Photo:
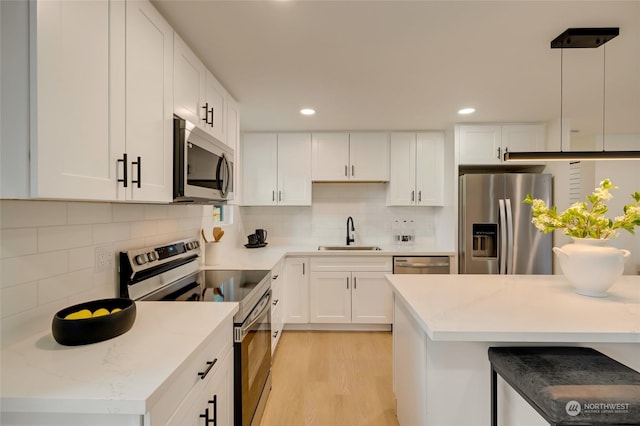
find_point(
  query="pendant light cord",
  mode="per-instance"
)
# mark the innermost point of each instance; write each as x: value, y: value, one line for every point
x: 604, y: 83
x: 561, y: 91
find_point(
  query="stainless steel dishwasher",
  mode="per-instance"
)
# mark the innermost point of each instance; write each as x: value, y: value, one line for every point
x: 421, y: 264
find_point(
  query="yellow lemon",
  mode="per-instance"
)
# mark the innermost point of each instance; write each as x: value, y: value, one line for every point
x: 101, y: 312
x: 85, y: 313
x: 114, y: 310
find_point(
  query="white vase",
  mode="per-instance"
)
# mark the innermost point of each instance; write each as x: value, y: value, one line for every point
x: 590, y: 265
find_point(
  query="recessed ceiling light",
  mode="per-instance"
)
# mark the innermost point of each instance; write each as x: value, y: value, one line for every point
x: 465, y: 111
x: 307, y: 111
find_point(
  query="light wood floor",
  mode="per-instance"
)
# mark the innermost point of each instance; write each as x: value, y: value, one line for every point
x: 332, y: 379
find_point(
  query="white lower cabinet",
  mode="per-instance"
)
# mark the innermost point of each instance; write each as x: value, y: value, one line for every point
x: 277, y: 303
x: 210, y: 402
x: 350, y: 290
x: 296, y: 290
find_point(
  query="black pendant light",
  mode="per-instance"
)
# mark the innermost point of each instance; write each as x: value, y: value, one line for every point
x: 577, y: 38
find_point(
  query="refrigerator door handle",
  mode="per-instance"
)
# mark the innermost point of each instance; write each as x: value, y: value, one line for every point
x: 509, y: 236
x: 503, y: 237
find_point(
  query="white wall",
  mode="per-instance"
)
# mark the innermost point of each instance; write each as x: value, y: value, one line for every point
x: 47, y: 252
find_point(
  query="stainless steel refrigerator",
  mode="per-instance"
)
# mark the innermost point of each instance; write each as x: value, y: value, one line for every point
x: 496, y: 235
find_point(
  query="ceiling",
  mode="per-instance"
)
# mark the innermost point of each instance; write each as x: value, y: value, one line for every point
x: 410, y: 65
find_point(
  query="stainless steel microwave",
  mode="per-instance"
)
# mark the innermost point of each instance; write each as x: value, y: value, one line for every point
x: 202, y: 165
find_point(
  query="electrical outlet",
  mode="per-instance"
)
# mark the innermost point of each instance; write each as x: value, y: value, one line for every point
x: 105, y: 259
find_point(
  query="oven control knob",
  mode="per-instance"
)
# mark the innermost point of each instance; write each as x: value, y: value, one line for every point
x: 152, y: 256
x: 189, y: 245
x: 196, y: 244
x: 141, y: 259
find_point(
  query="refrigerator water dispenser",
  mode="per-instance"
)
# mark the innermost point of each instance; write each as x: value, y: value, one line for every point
x: 485, y: 240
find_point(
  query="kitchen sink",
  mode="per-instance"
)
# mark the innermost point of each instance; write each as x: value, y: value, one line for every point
x: 358, y: 248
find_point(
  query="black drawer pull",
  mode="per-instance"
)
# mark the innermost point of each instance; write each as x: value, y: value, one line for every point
x: 210, y: 364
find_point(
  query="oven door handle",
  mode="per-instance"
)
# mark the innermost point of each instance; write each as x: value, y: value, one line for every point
x: 262, y: 308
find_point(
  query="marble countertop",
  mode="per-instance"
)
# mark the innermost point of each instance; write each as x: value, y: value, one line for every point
x: 267, y: 257
x: 519, y: 308
x: 126, y: 374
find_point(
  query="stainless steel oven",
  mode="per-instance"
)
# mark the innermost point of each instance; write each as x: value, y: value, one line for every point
x: 171, y: 273
x: 252, y: 340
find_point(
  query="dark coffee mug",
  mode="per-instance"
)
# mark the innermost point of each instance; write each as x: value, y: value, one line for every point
x: 253, y: 239
x: 262, y: 235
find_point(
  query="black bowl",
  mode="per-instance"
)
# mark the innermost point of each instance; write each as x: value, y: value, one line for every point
x: 74, y: 332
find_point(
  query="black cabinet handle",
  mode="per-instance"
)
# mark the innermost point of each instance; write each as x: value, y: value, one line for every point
x: 214, y: 401
x: 139, y: 164
x: 275, y: 277
x: 211, y: 117
x: 347, y: 283
x: 124, y: 179
x: 206, y: 113
x: 275, y: 334
x: 355, y: 283
x: 210, y: 364
x: 275, y: 302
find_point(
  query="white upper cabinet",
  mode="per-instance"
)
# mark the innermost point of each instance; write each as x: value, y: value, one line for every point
x: 485, y: 144
x: 188, y: 83
x: 362, y: 156
x: 73, y: 152
x: 198, y: 96
x: 214, y: 104
x: 149, y: 101
x: 100, y: 94
x: 416, y: 169
x: 276, y: 169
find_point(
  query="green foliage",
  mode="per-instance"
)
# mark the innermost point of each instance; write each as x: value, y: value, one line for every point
x: 582, y: 221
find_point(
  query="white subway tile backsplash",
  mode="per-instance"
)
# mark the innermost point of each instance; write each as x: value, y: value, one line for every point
x: 47, y: 253
x: 17, y: 270
x: 86, y: 213
x: 29, y: 214
x: 19, y: 298
x: 110, y: 232
x: 143, y: 229
x: 64, y: 237
x: 167, y: 226
x: 154, y: 211
x: 123, y: 212
x: 81, y: 258
x: 63, y: 286
x: 18, y: 242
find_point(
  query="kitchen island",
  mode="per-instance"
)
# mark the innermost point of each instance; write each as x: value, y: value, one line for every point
x: 444, y: 325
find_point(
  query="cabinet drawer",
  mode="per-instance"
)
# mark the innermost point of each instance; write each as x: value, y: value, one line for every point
x: 352, y: 263
x: 186, y: 378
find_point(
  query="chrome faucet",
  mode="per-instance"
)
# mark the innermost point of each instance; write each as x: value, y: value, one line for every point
x: 350, y: 239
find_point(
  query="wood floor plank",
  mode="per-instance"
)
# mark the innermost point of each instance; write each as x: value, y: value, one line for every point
x: 332, y: 379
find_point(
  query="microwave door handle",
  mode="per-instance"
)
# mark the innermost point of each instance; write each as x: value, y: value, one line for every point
x: 502, y: 228
x: 226, y: 176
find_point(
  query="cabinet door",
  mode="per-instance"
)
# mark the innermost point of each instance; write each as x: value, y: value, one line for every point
x: 294, y: 169
x: 369, y: 156
x: 330, y: 297
x: 149, y: 102
x: 402, y: 169
x: 430, y: 169
x: 480, y: 144
x: 75, y: 153
x: 371, y: 299
x: 214, y: 95
x: 296, y: 293
x: 330, y: 157
x: 209, y: 400
x: 524, y: 137
x: 188, y: 83
x: 259, y: 169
